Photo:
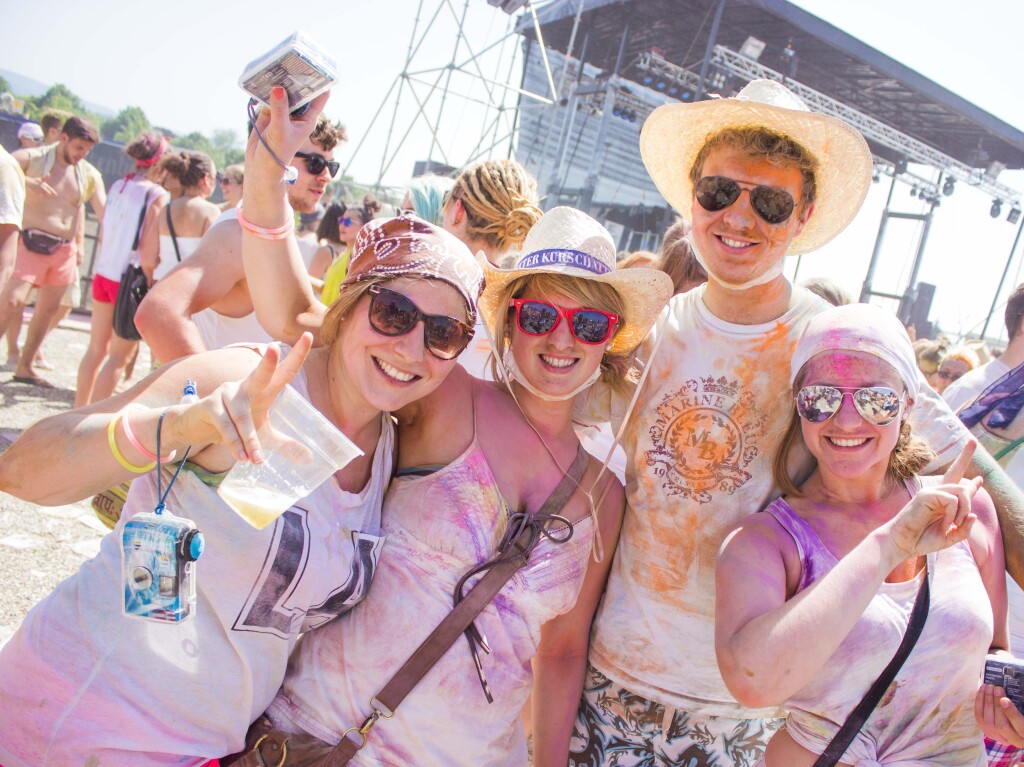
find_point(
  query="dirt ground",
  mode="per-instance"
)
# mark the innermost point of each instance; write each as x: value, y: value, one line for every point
x: 41, y: 546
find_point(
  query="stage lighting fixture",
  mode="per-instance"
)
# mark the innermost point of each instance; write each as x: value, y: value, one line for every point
x: 617, y: 110
x: 686, y: 95
x: 875, y: 178
x: 661, y: 85
x: 948, y: 187
x: 648, y: 79
x: 900, y: 166
x: 631, y: 116
x: 752, y: 48
x: 1014, y: 215
x: 913, y: 192
x: 672, y: 90
x: 996, y: 209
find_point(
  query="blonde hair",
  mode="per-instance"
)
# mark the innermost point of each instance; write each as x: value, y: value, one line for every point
x: 588, y: 293
x: 348, y: 297
x: 500, y: 198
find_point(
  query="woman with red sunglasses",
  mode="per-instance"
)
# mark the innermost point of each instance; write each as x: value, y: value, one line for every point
x: 474, y: 457
x: 816, y: 593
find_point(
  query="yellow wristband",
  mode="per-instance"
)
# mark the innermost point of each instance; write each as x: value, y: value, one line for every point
x: 112, y: 441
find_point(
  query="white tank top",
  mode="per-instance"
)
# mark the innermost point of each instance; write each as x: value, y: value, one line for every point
x: 81, y: 684
x: 219, y: 330
x: 168, y: 258
x: 120, y: 222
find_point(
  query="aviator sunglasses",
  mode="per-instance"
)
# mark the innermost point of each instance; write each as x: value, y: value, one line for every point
x: 392, y: 314
x: 315, y: 163
x: 879, y: 405
x: 588, y: 326
x: 715, y: 193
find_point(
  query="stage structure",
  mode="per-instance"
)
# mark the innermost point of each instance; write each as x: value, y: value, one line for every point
x: 638, y: 54
x: 463, y: 105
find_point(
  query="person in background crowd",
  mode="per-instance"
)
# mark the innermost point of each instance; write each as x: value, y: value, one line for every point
x: 231, y: 181
x: 204, y: 302
x: 51, y: 122
x: 131, y: 211
x: 352, y: 218
x: 184, y: 217
x: 952, y: 366
x: 426, y: 197
x: 328, y: 234
x: 827, y: 290
x: 677, y: 259
x: 30, y: 135
x: 814, y: 595
x: 305, y: 234
x: 759, y: 176
x: 491, y: 207
x: 59, y: 182
x: 929, y: 353
x: 988, y: 400
x: 981, y: 350
x: 12, y: 209
x: 643, y: 259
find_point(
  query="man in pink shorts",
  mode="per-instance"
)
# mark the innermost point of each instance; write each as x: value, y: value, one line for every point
x: 58, y: 184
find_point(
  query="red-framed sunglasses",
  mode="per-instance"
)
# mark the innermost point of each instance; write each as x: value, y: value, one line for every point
x: 588, y: 326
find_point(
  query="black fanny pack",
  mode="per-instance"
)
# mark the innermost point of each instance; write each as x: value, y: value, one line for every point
x: 41, y: 242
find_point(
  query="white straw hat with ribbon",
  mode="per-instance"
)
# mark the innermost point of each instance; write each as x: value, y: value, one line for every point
x: 674, y: 134
x: 568, y: 242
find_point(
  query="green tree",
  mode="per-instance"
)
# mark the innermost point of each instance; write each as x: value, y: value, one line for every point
x: 129, y: 123
x: 4, y: 85
x: 59, y: 96
x: 229, y: 146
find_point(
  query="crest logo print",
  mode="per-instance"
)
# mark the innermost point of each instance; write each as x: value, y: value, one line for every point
x: 704, y: 437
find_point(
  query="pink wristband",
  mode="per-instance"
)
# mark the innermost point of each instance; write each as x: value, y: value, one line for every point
x: 135, y: 442
x: 265, y: 233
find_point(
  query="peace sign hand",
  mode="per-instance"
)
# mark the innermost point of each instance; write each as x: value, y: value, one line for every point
x: 938, y: 516
x: 231, y: 414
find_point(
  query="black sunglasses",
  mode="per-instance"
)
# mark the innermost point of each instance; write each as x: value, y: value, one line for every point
x: 392, y: 314
x: 315, y: 164
x: 538, y: 318
x: 716, y: 193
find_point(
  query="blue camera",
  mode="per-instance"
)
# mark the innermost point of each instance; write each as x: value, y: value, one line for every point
x: 158, y: 555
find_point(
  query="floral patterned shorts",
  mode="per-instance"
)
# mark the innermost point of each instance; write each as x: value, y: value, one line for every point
x: 617, y: 728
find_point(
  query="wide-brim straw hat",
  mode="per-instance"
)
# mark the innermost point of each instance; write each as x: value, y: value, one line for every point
x: 674, y: 134
x: 568, y: 242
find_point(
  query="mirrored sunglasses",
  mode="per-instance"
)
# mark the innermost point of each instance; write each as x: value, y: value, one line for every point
x: 588, y: 326
x: 879, y: 405
x: 315, y: 163
x: 716, y: 193
x: 392, y: 314
x: 345, y: 220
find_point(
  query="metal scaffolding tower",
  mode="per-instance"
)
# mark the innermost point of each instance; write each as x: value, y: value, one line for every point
x: 471, y: 96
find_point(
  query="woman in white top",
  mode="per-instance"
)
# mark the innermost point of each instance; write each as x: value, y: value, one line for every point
x: 80, y: 683
x: 231, y: 181
x: 815, y: 593
x: 129, y: 218
x: 186, y: 218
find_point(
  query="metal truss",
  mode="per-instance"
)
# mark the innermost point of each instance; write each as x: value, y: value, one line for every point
x: 871, y: 128
x: 432, y: 92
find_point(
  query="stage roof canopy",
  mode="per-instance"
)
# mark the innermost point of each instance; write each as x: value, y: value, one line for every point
x: 829, y: 60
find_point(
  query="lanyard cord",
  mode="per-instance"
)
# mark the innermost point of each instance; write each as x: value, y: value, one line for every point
x: 162, y: 495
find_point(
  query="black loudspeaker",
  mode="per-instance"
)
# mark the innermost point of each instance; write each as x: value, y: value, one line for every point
x: 921, y: 308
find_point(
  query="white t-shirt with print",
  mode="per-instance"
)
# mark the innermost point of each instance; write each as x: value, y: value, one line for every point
x: 699, y: 450
x: 81, y: 684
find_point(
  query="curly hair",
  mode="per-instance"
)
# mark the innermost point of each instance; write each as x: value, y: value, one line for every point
x: 760, y: 142
x: 501, y: 202
x: 328, y: 135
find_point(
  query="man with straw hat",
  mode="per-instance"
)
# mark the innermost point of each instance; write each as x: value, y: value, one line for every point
x: 759, y: 177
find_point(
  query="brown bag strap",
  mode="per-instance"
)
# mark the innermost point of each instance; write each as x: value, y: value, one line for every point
x: 505, y: 565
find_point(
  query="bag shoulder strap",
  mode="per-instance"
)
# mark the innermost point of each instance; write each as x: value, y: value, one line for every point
x: 499, y: 571
x: 855, y: 721
x: 142, y: 218
x: 174, y: 237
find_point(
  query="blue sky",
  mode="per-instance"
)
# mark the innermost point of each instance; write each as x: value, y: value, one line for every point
x: 181, y: 62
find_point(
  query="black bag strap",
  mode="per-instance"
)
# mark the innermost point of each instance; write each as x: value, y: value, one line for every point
x: 855, y: 721
x: 513, y: 553
x: 142, y: 218
x: 174, y: 238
